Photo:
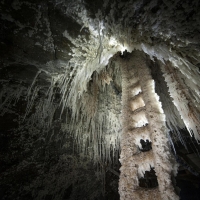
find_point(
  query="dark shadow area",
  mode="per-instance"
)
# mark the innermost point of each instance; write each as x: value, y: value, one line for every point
x: 149, y: 180
x: 146, y: 145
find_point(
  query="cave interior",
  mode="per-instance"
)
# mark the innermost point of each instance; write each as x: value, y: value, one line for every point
x: 99, y: 99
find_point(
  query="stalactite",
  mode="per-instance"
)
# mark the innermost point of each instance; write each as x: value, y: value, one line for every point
x: 182, y: 100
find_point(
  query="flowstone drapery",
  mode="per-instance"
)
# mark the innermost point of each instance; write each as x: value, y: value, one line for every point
x: 143, y: 118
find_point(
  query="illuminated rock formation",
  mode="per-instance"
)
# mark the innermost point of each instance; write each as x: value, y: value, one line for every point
x: 143, y: 119
x: 77, y: 89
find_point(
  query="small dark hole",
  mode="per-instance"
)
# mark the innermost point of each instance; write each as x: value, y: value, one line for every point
x: 146, y: 145
x: 149, y: 180
x: 125, y: 55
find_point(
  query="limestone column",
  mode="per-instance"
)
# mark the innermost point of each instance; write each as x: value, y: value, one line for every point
x: 143, y: 118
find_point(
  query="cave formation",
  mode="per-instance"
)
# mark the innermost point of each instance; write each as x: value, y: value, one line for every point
x: 99, y: 99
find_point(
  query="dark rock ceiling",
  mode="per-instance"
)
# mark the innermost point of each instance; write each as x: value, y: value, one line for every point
x: 55, y: 59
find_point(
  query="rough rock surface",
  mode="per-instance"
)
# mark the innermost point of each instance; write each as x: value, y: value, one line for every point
x: 42, y: 43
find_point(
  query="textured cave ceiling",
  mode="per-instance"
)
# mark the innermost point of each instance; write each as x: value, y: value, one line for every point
x: 60, y: 91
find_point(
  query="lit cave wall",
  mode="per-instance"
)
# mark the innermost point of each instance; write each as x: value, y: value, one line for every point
x: 99, y: 99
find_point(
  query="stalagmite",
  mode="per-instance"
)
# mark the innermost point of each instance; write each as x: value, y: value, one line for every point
x: 145, y: 120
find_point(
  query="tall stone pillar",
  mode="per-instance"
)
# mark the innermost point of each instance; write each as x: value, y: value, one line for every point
x: 143, y: 118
